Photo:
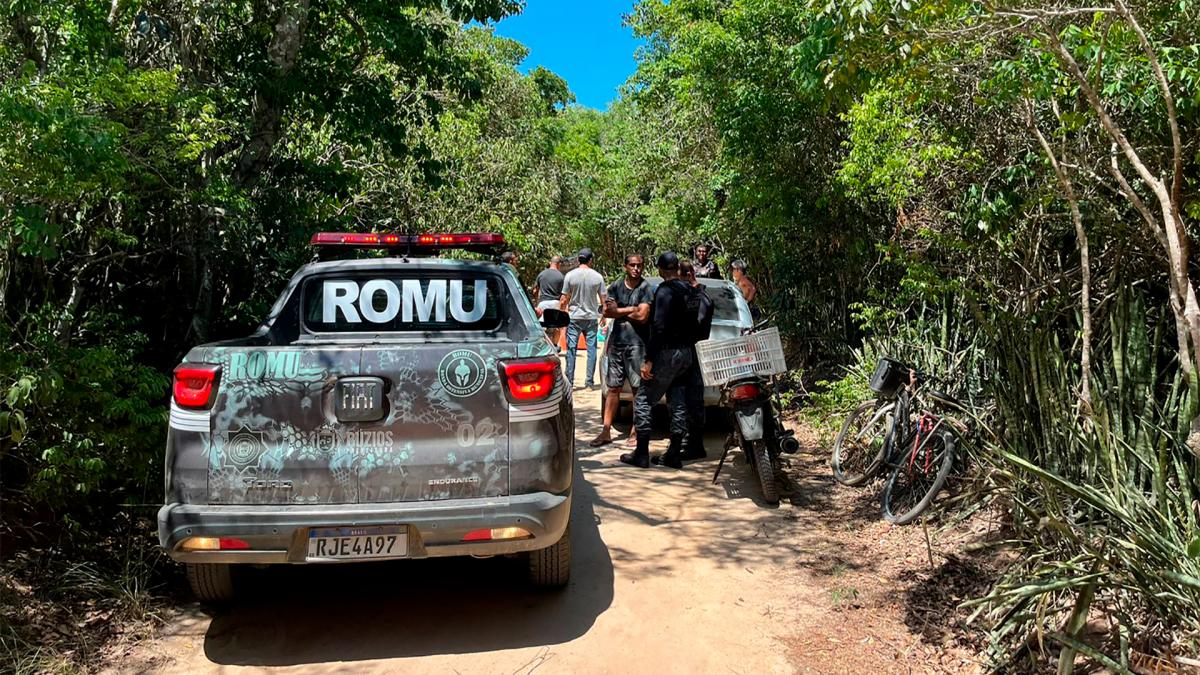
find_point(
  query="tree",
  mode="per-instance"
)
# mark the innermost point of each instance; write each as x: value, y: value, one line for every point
x: 553, y: 89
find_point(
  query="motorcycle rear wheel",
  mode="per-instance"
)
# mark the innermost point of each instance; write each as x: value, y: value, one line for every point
x: 765, y: 468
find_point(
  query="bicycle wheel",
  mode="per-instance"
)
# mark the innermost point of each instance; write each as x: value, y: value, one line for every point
x: 858, y: 451
x: 766, y: 472
x: 916, y: 480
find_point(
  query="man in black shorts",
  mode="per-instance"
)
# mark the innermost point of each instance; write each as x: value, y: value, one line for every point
x: 547, y: 291
x: 628, y: 305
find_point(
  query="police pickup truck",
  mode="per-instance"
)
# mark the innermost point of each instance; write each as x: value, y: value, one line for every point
x: 397, y: 406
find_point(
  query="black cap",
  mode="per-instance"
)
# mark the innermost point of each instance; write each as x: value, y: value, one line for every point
x: 668, y: 261
x: 585, y: 255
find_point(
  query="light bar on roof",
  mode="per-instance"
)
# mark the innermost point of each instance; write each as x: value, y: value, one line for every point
x: 415, y: 241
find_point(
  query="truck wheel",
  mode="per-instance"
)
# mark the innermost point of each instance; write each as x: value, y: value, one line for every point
x: 625, y: 412
x: 211, y: 582
x: 551, y: 567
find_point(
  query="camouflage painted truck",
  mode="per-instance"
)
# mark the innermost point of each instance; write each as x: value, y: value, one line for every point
x: 401, y: 406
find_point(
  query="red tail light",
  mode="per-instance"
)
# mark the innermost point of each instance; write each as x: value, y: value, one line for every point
x: 194, y: 384
x: 743, y: 392
x: 531, y: 380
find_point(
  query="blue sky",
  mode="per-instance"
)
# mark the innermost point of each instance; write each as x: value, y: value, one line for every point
x: 583, y: 41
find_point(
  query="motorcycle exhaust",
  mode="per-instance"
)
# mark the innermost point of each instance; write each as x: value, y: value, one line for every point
x: 789, y: 444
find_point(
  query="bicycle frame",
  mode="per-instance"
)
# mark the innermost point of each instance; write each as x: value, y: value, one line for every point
x: 915, y: 435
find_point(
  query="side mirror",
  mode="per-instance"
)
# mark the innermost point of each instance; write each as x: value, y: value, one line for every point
x: 555, y: 318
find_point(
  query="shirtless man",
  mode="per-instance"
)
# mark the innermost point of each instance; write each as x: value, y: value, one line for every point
x: 749, y: 290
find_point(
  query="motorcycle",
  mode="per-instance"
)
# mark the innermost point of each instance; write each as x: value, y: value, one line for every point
x: 748, y: 366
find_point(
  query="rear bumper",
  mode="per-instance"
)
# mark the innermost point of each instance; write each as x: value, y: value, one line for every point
x: 279, y: 534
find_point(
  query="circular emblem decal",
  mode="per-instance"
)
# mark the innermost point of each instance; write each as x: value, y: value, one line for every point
x: 462, y: 373
x: 245, y: 448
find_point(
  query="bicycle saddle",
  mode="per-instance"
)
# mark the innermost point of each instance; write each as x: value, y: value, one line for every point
x: 943, y: 398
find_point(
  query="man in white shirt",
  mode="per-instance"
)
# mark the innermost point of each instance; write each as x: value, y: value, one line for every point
x: 582, y: 296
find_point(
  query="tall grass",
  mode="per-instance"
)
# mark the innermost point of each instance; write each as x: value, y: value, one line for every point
x: 936, y: 339
x: 1101, y: 503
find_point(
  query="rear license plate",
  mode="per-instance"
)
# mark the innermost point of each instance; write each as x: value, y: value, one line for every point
x: 359, y: 399
x: 357, y: 543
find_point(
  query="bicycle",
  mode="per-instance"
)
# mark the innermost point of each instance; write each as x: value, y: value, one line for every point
x: 918, y: 453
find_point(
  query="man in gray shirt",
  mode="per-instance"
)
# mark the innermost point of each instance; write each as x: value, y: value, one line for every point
x: 547, y: 291
x: 582, y: 296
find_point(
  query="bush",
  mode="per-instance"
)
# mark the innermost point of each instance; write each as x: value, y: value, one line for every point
x: 82, y: 430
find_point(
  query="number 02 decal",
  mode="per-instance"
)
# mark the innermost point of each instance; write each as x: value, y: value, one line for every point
x: 481, y: 433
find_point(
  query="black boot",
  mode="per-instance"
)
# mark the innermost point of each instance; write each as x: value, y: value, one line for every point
x: 671, y: 458
x: 694, y: 447
x: 641, y: 456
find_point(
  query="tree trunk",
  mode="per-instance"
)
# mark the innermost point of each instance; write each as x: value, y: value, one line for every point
x: 1064, y: 181
x: 23, y: 31
x: 270, y: 100
x: 7, y: 260
x: 1184, y: 305
x: 65, y: 325
x: 202, y: 313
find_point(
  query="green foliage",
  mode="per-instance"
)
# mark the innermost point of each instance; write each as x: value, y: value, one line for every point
x: 163, y: 165
x: 552, y: 89
x: 891, y: 150
x: 1105, y: 504
x: 877, y: 161
x: 750, y: 141
x: 827, y: 407
x: 85, y: 426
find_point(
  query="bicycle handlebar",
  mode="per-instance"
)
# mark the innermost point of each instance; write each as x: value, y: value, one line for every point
x: 923, y: 376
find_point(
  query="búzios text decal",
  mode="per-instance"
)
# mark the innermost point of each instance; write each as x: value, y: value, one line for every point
x: 355, y: 303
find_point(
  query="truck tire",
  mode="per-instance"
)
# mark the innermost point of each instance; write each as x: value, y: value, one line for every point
x: 625, y: 411
x: 211, y: 583
x: 551, y: 567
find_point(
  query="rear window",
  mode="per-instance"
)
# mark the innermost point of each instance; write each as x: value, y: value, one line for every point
x: 725, y: 307
x: 401, y: 303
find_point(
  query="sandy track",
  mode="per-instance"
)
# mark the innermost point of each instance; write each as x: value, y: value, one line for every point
x: 671, y: 574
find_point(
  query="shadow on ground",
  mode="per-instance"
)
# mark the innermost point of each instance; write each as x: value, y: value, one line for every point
x: 933, y: 606
x: 317, y: 614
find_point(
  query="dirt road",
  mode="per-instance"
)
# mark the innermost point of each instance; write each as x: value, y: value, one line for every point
x: 671, y: 574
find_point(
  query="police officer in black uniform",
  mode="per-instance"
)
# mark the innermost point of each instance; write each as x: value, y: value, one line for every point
x: 702, y: 305
x: 670, y: 355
